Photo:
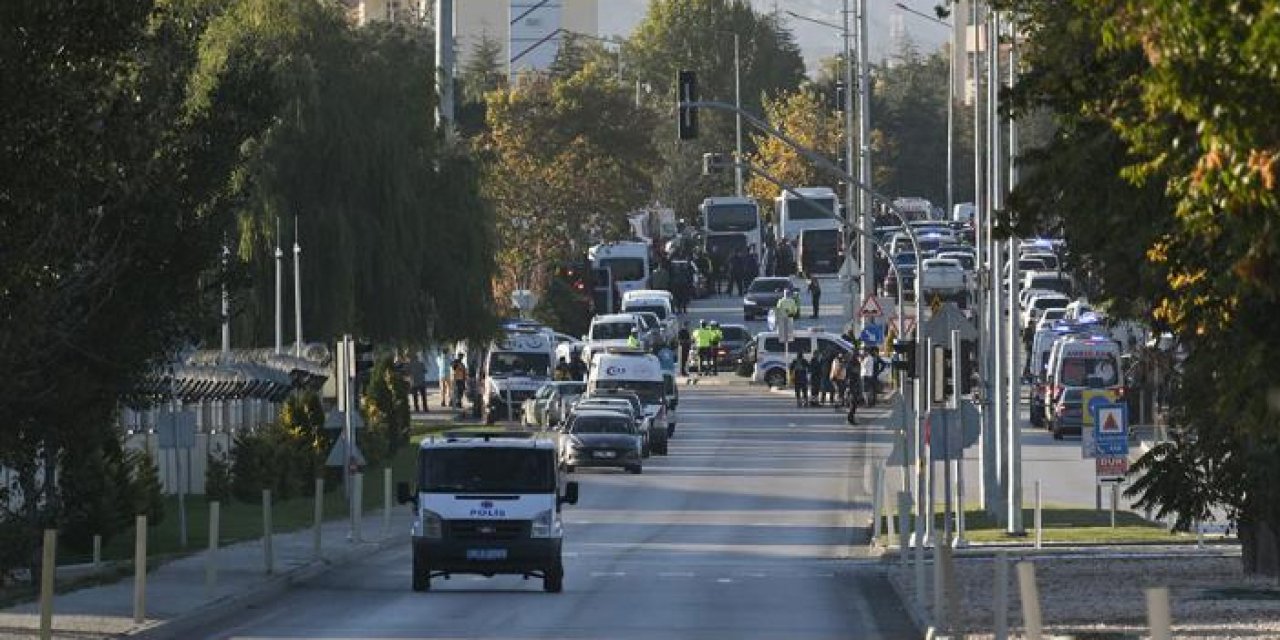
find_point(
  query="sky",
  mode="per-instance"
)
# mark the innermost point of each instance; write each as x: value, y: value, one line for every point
x: 816, y: 42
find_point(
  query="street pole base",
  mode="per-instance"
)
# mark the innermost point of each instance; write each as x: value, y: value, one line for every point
x: 960, y: 542
x: 1016, y: 534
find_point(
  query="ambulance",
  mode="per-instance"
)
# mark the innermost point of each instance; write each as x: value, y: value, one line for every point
x: 514, y: 368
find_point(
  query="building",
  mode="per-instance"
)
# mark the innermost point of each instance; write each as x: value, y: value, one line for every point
x: 528, y: 31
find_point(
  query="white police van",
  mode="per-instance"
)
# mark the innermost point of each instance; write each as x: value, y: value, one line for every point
x: 514, y: 368
x: 635, y: 370
x: 772, y: 358
x: 488, y: 504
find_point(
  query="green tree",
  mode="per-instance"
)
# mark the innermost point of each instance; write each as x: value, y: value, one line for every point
x: 386, y: 404
x: 697, y: 35
x: 481, y: 73
x: 567, y: 158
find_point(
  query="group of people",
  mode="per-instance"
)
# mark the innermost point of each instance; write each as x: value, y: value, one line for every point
x: 574, y: 370
x: 736, y: 271
x: 451, y: 374
x: 837, y: 379
x: 701, y: 343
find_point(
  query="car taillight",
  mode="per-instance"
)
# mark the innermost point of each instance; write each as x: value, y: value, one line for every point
x: 1120, y: 391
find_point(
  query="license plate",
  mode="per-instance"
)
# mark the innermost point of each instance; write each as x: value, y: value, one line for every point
x: 486, y: 554
x: 604, y: 454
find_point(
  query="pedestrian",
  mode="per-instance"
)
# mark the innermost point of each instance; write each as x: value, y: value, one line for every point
x: 816, y: 374
x: 828, y: 385
x: 685, y: 340
x: 735, y: 273
x: 799, y: 371
x: 702, y: 340
x: 838, y: 378
x: 445, y: 376
x: 716, y: 336
x: 458, y: 369
x: 633, y: 339
x: 752, y: 267
x: 787, y: 304
x: 416, y: 374
x: 868, y: 370
x: 578, y: 368
x: 563, y: 372
x: 815, y: 293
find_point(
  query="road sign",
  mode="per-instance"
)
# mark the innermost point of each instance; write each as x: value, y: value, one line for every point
x: 1111, y: 430
x: 1090, y: 401
x: 871, y: 307
x: 946, y: 319
x: 1111, y: 468
x: 339, y: 452
x: 177, y: 430
x: 962, y: 430
x: 872, y: 334
x: 935, y: 304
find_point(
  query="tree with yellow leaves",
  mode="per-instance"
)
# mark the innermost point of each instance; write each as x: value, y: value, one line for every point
x: 804, y: 116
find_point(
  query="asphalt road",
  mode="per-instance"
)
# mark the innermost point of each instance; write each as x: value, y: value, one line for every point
x: 753, y: 527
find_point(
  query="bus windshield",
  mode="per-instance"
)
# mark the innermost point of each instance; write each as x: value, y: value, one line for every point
x: 805, y: 210
x: 732, y: 217
x: 625, y: 269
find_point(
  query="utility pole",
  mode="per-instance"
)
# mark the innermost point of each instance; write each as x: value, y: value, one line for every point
x: 226, y: 304
x: 444, y: 61
x: 864, y: 161
x: 1013, y: 369
x: 737, y: 102
x: 279, y: 292
x: 866, y: 281
x: 297, y: 290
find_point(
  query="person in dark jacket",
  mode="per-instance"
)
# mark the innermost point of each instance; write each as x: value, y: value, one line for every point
x: 816, y: 374
x: 800, y: 379
x: 685, y: 340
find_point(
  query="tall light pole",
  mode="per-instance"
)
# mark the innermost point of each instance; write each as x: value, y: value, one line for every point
x: 1014, y: 339
x: 297, y: 290
x: 444, y: 61
x: 737, y: 102
x: 279, y: 292
x: 864, y: 156
x: 226, y: 304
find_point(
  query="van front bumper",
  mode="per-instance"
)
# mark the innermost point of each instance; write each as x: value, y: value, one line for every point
x: 487, y: 557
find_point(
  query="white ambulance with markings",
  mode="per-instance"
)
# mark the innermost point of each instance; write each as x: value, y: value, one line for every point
x: 514, y: 368
x: 487, y: 504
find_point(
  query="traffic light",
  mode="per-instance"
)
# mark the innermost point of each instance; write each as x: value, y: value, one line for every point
x: 687, y: 117
x: 904, y: 357
x: 968, y: 366
x: 713, y: 163
x: 837, y: 97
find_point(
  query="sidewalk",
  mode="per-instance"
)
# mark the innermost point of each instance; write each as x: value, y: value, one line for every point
x: 176, y: 597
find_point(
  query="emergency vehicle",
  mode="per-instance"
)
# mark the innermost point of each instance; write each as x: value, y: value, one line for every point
x: 515, y: 367
x: 635, y: 370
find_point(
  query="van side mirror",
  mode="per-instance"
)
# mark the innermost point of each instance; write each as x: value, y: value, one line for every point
x: 402, y: 493
x: 570, y: 493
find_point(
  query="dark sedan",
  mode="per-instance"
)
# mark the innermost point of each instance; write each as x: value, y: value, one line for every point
x: 600, y: 439
x: 1068, y: 413
x: 735, y: 338
x: 763, y: 295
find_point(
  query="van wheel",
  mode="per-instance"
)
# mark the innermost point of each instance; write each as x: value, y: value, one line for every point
x: 775, y: 378
x: 421, y: 573
x: 553, y: 579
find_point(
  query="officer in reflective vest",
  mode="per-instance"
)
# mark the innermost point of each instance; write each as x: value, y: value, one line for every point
x: 788, y: 305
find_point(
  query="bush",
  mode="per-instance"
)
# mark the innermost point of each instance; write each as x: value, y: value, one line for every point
x: 386, y: 405
x: 271, y: 457
x: 217, y: 476
x: 97, y: 491
x: 148, y: 498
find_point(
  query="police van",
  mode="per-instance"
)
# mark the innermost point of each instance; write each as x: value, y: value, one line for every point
x: 772, y: 358
x: 640, y: 372
x: 487, y: 504
x: 515, y: 367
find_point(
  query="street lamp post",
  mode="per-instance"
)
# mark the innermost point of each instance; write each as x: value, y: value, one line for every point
x: 279, y: 346
x: 297, y: 290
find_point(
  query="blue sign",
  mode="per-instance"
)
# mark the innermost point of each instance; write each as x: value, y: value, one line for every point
x: 1111, y: 429
x: 873, y: 334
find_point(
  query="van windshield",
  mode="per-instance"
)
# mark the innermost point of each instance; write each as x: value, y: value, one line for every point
x: 655, y: 309
x: 487, y: 470
x: 611, y: 330
x: 650, y: 392
x: 514, y: 363
x: 594, y: 424
x: 1094, y: 372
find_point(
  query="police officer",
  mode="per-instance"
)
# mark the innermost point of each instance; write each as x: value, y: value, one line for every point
x: 633, y: 339
x: 702, y: 341
x: 788, y: 305
x: 716, y: 336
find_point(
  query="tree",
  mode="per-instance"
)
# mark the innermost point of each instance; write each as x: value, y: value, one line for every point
x: 567, y: 159
x: 1177, y: 159
x: 804, y: 116
x: 481, y: 73
x: 697, y: 35
x: 386, y: 403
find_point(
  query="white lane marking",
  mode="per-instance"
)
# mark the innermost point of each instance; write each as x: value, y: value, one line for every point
x: 675, y: 574
x: 608, y: 574
x: 724, y: 580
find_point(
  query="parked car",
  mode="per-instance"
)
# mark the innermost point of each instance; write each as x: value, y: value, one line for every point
x: 549, y: 405
x: 763, y: 295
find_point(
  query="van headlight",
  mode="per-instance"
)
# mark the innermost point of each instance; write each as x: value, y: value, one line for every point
x: 432, y: 525
x: 545, y: 525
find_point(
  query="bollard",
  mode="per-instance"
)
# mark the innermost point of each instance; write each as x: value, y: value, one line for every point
x: 97, y: 552
x: 48, y: 570
x: 1115, y: 497
x: 1158, y: 616
x: 940, y: 613
x: 269, y: 566
x: 358, y: 512
x: 1039, y: 518
x: 211, y: 560
x: 875, y: 505
x: 386, y: 502
x: 904, y: 517
x: 1000, y: 597
x: 140, y: 570
x: 920, y: 574
x: 317, y: 517
x: 954, y: 615
x: 888, y: 516
x: 1030, y: 594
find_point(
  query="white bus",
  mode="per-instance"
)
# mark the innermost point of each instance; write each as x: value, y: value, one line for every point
x: 731, y: 224
x: 818, y: 210
x: 628, y: 261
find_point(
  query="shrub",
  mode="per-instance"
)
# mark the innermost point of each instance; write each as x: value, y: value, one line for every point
x: 148, y: 498
x: 386, y: 405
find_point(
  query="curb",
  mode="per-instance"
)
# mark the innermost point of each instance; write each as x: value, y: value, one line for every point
x: 915, y: 612
x: 183, y: 625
